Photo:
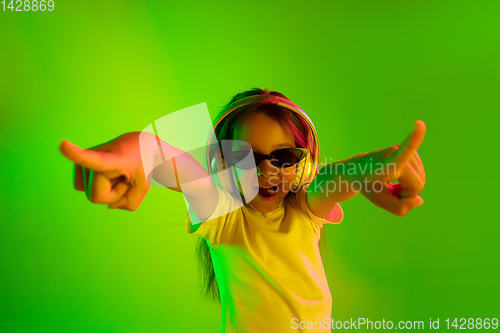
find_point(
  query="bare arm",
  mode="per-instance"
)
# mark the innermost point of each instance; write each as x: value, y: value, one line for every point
x: 119, y: 172
x: 371, y: 175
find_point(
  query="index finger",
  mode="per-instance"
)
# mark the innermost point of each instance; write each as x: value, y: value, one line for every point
x: 89, y: 159
x: 410, y: 145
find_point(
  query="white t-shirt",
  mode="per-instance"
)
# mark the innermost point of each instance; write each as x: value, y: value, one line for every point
x: 268, y: 265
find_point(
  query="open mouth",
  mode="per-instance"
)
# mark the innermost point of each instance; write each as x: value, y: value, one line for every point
x: 267, y: 191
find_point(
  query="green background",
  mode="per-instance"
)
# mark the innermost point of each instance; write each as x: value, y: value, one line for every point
x: 363, y: 70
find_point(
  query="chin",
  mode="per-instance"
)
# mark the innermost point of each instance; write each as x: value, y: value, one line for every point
x: 267, y: 204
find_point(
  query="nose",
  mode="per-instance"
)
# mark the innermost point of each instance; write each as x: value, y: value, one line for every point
x: 266, y: 169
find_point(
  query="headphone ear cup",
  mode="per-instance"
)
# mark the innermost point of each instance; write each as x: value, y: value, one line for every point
x: 220, y: 174
x: 299, y: 171
x: 214, y: 171
x: 224, y: 178
x: 304, y: 172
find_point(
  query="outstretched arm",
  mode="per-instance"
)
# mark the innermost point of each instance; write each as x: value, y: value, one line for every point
x: 372, y: 174
x: 119, y: 172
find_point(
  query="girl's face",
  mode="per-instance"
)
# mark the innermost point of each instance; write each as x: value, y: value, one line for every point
x: 265, y: 136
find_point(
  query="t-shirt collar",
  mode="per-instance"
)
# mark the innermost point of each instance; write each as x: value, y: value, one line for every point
x: 272, y: 214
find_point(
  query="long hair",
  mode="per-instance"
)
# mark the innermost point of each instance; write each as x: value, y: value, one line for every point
x: 302, y: 136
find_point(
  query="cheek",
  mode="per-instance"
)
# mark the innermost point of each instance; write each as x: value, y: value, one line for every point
x: 248, y: 178
x: 288, y: 177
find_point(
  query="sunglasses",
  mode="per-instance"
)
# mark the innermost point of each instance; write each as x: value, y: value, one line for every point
x: 281, y: 158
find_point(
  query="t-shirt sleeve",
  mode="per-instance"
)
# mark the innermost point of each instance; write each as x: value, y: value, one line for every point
x: 211, y: 229
x: 335, y: 216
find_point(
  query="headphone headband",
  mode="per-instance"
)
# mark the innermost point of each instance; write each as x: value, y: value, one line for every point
x: 263, y: 100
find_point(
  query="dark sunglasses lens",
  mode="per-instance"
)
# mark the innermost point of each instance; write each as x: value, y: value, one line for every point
x: 287, y: 157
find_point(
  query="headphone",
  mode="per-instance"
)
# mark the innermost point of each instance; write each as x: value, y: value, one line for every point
x: 306, y: 169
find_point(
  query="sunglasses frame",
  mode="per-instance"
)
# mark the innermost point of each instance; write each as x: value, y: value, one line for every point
x: 260, y: 157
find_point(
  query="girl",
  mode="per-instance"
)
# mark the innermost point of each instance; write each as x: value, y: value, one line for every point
x: 259, y: 227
